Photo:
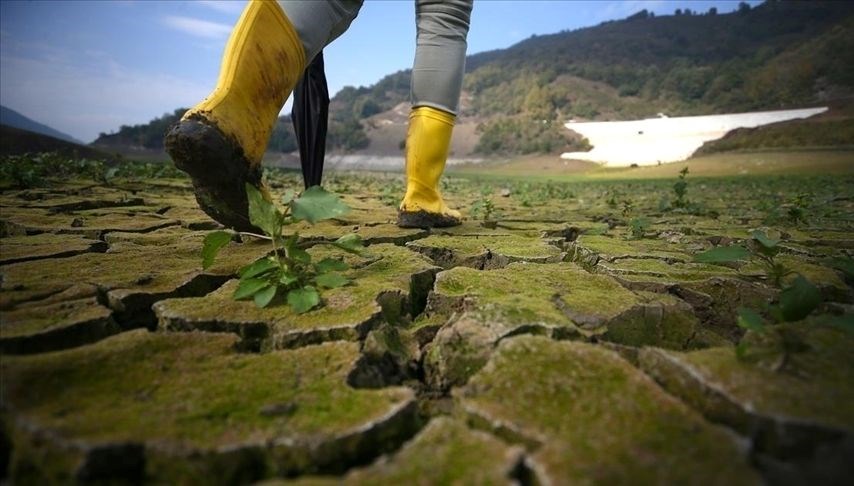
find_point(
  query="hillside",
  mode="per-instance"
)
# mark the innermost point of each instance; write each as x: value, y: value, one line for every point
x: 777, y: 55
x: 834, y: 128
x: 15, y: 141
x: 12, y: 118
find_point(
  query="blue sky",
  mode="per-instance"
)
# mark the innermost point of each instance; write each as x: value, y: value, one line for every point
x: 85, y: 67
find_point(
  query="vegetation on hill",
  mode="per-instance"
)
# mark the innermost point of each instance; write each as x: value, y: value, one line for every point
x: 832, y: 133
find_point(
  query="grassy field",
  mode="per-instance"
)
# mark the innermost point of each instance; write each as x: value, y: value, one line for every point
x: 779, y: 162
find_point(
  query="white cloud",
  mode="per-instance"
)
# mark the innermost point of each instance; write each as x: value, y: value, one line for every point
x: 224, y: 6
x: 197, y: 27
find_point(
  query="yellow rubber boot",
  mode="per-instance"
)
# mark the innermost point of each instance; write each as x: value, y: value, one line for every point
x: 428, y: 142
x: 220, y: 141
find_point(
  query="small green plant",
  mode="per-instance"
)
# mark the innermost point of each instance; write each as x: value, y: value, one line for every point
x: 612, y: 199
x: 681, y: 189
x: 638, y: 227
x: 777, y: 212
x: 627, y: 207
x: 288, y: 271
x: 762, y: 247
x: 389, y: 196
x: 483, y: 208
x: 768, y: 342
x: 796, y: 212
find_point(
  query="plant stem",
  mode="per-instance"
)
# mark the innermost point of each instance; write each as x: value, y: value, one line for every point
x: 260, y: 237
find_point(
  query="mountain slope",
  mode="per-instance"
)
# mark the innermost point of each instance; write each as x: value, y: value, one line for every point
x: 16, y: 141
x: 12, y: 118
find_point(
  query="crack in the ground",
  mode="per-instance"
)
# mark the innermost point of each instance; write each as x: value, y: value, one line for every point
x: 90, y: 204
x: 95, y: 247
x: 134, y: 308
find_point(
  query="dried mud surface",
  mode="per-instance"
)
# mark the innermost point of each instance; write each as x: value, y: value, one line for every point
x: 547, y: 343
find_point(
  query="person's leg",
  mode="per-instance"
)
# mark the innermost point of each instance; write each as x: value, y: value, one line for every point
x: 318, y: 23
x: 437, y: 76
x: 220, y: 141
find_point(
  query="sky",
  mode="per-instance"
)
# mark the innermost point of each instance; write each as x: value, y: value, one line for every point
x: 86, y: 67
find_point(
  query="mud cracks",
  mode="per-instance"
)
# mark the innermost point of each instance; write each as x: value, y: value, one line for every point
x: 532, y: 350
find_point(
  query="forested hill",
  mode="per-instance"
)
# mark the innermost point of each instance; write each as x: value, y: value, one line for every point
x: 779, y: 54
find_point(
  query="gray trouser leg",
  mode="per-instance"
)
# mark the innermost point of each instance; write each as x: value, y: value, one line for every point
x: 440, y: 53
x: 320, y: 22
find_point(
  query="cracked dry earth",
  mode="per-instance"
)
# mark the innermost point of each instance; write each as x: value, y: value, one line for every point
x: 547, y: 348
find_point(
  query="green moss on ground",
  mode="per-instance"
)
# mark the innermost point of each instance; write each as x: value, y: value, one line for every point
x: 90, y: 223
x: 444, y: 452
x: 814, y: 390
x: 532, y: 293
x: 130, y: 269
x: 596, y: 416
x: 179, y: 391
x: 610, y: 248
x: 482, y: 251
x: 639, y: 269
x: 32, y: 320
x: 46, y: 245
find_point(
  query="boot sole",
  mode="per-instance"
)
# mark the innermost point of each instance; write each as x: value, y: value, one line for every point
x: 218, y: 169
x: 425, y: 220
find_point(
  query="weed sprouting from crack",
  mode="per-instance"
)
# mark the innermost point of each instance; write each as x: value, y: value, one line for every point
x: 289, y: 270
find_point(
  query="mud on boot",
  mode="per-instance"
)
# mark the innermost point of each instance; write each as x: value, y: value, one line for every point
x: 426, y: 220
x: 218, y: 169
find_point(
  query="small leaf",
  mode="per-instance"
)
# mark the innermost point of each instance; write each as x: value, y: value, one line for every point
x: 288, y: 196
x: 316, y: 204
x: 214, y: 242
x: 750, y: 320
x: 260, y: 266
x: 799, y: 299
x: 303, y: 300
x: 330, y: 265
x: 264, y: 296
x: 351, y: 243
x: 299, y: 255
x: 262, y: 213
x: 765, y: 240
x: 249, y: 287
x: 331, y: 280
x: 722, y: 254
